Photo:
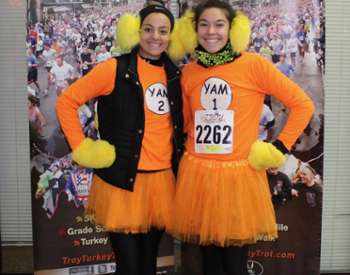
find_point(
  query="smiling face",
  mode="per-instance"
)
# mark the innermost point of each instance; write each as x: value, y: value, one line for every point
x: 213, y: 29
x: 306, y: 176
x: 154, y: 35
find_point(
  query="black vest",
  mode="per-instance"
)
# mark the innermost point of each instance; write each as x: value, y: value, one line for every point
x: 122, y: 121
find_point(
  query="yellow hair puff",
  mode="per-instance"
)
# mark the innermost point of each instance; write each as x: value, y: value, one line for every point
x: 263, y: 155
x: 94, y: 153
x: 176, y: 51
x: 128, y: 32
x: 188, y: 32
x: 183, y: 38
x: 240, y: 32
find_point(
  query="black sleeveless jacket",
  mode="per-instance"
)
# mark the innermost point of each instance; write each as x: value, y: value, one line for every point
x: 122, y: 121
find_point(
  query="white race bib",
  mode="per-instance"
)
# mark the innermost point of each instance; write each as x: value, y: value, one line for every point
x: 213, y: 131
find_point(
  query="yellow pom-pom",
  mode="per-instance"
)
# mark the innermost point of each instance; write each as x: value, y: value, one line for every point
x: 264, y: 155
x: 188, y: 32
x: 183, y: 38
x: 176, y: 51
x: 94, y: 153
x: 240, y: 32
x: 128, y: 35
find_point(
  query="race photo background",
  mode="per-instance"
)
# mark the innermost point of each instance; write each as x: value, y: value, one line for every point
x: 289, y: 33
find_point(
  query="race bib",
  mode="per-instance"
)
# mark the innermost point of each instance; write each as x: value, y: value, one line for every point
x: 156, y: 97
x: 214, y: 131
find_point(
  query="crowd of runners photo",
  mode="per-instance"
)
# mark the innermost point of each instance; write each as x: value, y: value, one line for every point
x: 65, y: 46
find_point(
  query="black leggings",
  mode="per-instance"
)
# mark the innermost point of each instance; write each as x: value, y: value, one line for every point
x: 136, y: 254
x: 230, y: 260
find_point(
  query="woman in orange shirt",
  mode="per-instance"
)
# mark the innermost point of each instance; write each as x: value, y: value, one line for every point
x: 140, y: 129
x: 222, y: 200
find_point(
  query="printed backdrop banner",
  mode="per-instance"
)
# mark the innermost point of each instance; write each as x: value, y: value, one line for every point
x: 288, y: 33
x: 298, y: 51
x: 66, y: 241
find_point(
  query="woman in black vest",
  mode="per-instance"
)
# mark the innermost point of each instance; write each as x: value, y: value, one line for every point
x: 140, y: 122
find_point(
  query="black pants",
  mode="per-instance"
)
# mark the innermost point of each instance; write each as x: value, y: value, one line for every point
x: 230, y: 260
x: 136, y: 254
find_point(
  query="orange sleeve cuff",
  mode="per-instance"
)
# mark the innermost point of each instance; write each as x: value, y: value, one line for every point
x: 98, y: 82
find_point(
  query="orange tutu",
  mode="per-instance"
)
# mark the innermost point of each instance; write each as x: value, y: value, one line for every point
x: 119, y: 210
x: 222, y: 203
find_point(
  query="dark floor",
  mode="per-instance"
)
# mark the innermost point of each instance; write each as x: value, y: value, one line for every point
x: 17, y: 259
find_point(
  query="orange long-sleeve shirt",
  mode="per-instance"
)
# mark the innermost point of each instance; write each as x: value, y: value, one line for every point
x: 238, y: 89
x: 156, y: 147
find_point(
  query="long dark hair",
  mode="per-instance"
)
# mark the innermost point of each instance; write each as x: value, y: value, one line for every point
x: 223, y: 5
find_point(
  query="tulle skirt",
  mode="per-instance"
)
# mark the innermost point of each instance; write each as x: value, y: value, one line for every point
x: 119, y: 210
x: 222, y: 203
